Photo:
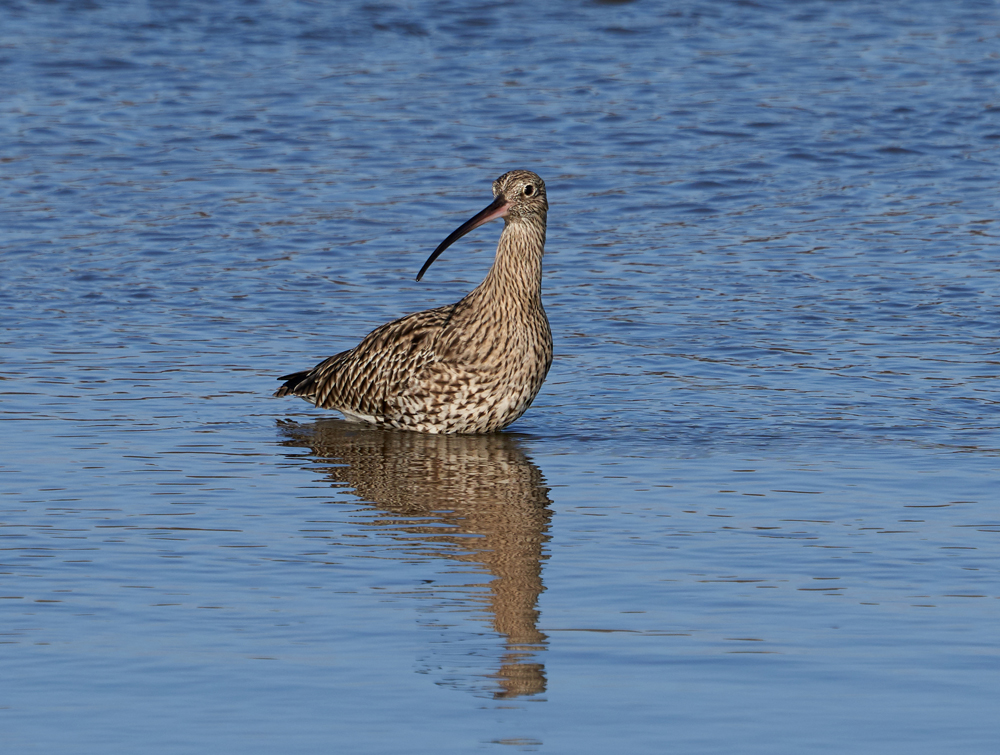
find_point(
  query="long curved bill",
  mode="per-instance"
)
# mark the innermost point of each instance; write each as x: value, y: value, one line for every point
x: 497, y: 209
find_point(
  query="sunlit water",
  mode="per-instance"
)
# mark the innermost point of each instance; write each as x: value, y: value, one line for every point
x: 755, y: 507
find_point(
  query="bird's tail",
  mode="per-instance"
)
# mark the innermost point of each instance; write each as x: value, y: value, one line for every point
x: 307, y: 384
x: 296, y: 384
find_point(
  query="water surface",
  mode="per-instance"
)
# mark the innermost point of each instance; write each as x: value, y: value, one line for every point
x: 754, y: 508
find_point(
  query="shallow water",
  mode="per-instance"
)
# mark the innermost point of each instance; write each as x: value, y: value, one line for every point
x: 754, y: 508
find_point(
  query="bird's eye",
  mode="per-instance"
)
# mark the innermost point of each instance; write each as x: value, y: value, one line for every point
x: 529, y: 190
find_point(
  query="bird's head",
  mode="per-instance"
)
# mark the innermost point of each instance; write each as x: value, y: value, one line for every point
x: 517, y: 194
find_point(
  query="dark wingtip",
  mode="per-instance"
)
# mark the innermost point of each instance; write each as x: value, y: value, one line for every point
x: 292, y: 382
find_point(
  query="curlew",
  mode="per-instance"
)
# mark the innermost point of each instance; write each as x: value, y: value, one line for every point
x: 470, y: 367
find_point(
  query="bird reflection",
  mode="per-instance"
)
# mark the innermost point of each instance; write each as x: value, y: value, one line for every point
x: 477, y: 498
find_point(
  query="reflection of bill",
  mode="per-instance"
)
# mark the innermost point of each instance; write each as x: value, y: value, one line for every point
x: 478, y: 498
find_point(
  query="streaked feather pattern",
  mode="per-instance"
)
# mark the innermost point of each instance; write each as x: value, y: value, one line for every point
x: 470, y: 367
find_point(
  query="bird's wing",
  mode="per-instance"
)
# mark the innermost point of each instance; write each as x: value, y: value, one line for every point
x: 379, y: 368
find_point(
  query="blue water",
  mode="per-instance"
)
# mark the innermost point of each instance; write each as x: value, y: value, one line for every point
x: 754, y: 508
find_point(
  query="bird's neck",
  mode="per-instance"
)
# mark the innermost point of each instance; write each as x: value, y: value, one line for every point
x: 516, y: 275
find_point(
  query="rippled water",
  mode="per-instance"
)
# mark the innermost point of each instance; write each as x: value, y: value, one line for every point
x: 754, y: 508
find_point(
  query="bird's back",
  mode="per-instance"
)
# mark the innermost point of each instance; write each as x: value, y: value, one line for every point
x: 449, y: 369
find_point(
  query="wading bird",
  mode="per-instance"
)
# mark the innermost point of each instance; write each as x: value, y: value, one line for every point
x: 470, y: 367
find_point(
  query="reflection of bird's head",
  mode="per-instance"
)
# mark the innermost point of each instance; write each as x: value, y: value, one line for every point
x: 439, y: 490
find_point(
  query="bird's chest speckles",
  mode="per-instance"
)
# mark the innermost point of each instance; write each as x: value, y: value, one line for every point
x: 476, y: 384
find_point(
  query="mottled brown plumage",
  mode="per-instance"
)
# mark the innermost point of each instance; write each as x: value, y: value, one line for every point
x: 470, y: 367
